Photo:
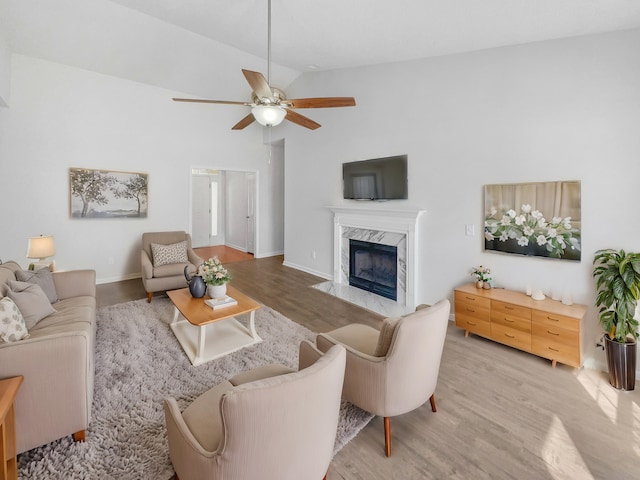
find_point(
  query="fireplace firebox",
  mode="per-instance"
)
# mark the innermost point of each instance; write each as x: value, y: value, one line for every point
x: 374, y: 267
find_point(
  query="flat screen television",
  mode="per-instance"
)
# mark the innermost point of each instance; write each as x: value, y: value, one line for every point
x: 376, y: 179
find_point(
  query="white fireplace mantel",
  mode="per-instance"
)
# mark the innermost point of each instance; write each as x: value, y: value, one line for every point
x: 385, y: 226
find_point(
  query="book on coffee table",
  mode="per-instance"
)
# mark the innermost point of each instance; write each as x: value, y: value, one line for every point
x: 217, y: 303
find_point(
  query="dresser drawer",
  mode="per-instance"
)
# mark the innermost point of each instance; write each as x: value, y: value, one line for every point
x: 511, y: 336
x: 511, y: 321
x: 481, y: 313
x: 470, y: 299
x: 556, y: 344
x: 510, y: 309
x: 556, y: 321
x: 472, y: 324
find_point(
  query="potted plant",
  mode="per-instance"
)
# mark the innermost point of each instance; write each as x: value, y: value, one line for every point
x: 483, y: 277
x: 215, y: 276
x: 617, y: 275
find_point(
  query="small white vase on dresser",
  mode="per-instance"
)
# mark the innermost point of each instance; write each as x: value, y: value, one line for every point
x: 217, y: 291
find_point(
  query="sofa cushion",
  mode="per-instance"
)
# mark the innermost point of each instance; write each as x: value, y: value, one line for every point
x: 31, y: 301
x: 42, y: 277
x: 169, y: 254
x: 7, y: 272
x: 12, y: 326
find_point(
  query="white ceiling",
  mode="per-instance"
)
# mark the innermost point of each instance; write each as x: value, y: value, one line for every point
x: 345, y: 33
x: 199, y: 46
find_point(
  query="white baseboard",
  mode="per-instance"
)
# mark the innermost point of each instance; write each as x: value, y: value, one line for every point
x: 308, y: 270
x: 268, y: 254
x: 120, y: 278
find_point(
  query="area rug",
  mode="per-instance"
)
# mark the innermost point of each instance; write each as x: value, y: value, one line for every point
x: 139, y: 362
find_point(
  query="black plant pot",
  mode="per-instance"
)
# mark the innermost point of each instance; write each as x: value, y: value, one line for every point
x: 621, y: 360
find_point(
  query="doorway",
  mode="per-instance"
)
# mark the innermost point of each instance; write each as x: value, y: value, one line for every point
x: 223, y: 208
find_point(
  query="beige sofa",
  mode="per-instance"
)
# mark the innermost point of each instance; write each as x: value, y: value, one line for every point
x: 56, y: 361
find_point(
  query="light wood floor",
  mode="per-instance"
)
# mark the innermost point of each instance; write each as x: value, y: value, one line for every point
x: 502, y: 414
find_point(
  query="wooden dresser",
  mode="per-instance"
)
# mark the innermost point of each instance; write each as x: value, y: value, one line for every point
x: 546, y: 328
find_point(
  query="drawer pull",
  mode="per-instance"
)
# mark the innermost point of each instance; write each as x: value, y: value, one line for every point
x: 553, y: 333
x: 507, y: 307
x: 470, y: 298
x: 508, y: 320
x: 553, y: 319
x: 509, y: 336
x: 553, y: 349
x: 470, y: 310
x: 471, y: 323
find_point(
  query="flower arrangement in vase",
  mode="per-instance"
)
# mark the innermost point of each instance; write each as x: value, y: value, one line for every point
x: 483, y: 276
x: 215, y: 276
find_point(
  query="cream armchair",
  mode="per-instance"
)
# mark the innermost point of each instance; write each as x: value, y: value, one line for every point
x: 395, y: 370
x: 161, y: 276
x: 270, y: 423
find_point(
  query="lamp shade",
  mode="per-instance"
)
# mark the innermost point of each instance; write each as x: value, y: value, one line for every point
x: 269, y: 115
x: 41, y: 247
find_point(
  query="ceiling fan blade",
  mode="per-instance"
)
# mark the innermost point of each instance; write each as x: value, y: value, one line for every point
x: 197, y: 100
x: 246, y: 121
x: 258, y: 84
x: 326, y: 102
x: 301, y: 120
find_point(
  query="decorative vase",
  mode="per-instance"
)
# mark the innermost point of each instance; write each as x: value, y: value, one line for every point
x: 479, y: 284
x: 486, y: 285
x: 217, y: 291
x: 197, y: 287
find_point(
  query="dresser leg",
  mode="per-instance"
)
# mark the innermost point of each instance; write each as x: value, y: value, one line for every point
x: 553, y: 363
x: 466, y: 333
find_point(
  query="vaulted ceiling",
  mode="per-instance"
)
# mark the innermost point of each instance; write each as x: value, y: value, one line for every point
x: 197, y: 46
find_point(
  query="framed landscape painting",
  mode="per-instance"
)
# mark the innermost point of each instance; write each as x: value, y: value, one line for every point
x: 537, y: 219
x: 107, y: 194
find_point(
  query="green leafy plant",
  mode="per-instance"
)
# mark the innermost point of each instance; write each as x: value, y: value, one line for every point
x: 213, y: 273
x: 617, y: 275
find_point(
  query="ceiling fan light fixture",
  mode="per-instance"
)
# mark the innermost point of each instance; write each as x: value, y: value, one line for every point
x: 269, y: 115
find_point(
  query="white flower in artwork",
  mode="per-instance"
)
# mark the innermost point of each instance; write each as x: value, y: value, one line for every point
x: 512, y: 213
x: 526, y: 208
x: 552, y: 232
x: 506, y: 220
x: 504, y: 237
x: 523, y: 241
x: 493, y: 211
x: 541, y: 240
x: 537, y: 214
x: 542, y: 223
x: 513, y: 233
x: 528, y: 231
x: 488, y: 235
x: 520, y: 220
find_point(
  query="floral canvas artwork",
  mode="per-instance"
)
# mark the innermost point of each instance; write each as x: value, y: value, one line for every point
x: 537, y: 219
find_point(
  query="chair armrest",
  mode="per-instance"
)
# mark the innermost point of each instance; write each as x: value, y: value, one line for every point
x: 324, y: 342
x: 308, y: 355
x: 260, y: 373
x: 147, y: 266
x: 75, y: 283
x: 176, y: 427
x: 194, y: 258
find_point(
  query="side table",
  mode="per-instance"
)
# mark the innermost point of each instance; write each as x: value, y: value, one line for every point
x: 8, y: 461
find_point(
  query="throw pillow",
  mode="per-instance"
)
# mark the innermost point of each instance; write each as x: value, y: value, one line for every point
x: 12, y: 326
x: 386, y: 335
x: 31, y: 301
x: 169, y: 254
x: 42, y: 277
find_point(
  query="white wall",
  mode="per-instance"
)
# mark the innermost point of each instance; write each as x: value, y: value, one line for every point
x: 62, y: 117
x: 5, y: 72
x: 558, y: 110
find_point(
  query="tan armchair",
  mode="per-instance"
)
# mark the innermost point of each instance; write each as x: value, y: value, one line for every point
x: 269, y: 423
x: 158, y: 277
x: 395, y: 370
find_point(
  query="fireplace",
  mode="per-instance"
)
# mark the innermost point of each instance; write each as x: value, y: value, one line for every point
x: 374, y: 267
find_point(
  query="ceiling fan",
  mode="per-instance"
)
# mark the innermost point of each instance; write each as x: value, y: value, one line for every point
x: 269, y: 105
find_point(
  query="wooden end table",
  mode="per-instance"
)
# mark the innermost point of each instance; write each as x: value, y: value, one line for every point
x: 8, y: 457
x: 206, y: 334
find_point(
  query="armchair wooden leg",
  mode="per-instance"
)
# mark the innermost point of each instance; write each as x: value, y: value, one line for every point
x: 149, y: 295
x: 387, y: 436
x: 432, y: 399
x: 79, y: 436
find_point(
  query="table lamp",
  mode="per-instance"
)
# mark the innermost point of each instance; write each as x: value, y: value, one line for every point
x: 41, y: 248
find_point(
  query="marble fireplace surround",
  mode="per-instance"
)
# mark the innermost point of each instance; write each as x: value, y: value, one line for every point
x: 397, y: 228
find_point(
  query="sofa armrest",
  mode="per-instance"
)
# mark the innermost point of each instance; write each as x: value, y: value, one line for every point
x: 75, y: 283
x: 147, y: 266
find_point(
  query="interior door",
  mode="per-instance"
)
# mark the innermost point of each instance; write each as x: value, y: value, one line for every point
x: 251, y: 212
x: 200, y: 211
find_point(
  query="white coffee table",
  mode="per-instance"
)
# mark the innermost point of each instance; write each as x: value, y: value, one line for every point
x: 206, y: 334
